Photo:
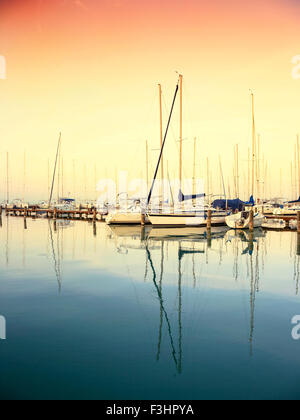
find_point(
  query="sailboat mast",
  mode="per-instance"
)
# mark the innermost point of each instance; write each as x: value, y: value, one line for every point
x: 249, y: 176
x: 24, y: 179
x: 161, y: 137
x: 237, y: 171
x: 163, y: 145
x: 298, y: 159
x: 253, y: 145
x: 292, y: 195
x: 180, y: 132
x: 7, y: 178
x: 48, y: 178
x: 54, y: 172
x: 258, y: 167
x: 62, y: 177
x: 208, y: 186
x: 194, y: 169
x: 222, y: 179
x: 147, y: 165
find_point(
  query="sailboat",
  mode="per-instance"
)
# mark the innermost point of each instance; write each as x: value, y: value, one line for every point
x: 241, y: 220
x: 190, y: 217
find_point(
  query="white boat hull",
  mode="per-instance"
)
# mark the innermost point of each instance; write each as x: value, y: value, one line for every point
x: 125, y: 219
x: 237, y: 221
x: 177, y: 220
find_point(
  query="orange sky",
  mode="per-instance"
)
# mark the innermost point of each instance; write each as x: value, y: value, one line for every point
x: 90, y: 68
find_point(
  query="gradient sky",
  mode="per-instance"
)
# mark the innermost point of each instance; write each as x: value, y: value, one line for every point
x: 90, y: 69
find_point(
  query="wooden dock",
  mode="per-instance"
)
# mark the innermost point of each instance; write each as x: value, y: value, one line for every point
x: 281, y: 217
x: 35, y: 212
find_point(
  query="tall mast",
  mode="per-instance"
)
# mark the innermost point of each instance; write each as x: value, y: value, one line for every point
x: 62, y: 177
x: 180, y: 132
x: 54, y: 172
x: 162, y: 149
x: 208, y: 186
x: 253, y: 145
x: 194, y: 169
x: 292, y: 181
x: 24, y: 180
x: 147, y: 165
x: 85, y: 183
x: 74, y: 179
x: 298, y: 160
x: 48, y: 178
x: 222, y: 179
x: 249, y: 176
x: 234, y: 178
x: 258, y: 167
x: 59, y: 168
x: 95, y: 185
x: 161, y: 137
x: 7, y: 178
x: 237, y: 171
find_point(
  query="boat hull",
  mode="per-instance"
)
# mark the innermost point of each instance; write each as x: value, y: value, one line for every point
x: 183, y: 220
x: 237, y: 221
x: 125, y: 219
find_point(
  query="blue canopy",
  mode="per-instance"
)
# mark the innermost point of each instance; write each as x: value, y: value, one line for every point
x: 236, y: 204
x: 67, y: 200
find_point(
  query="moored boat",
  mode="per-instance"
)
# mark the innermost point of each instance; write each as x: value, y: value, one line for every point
x: 274, y: 224
x: 241, y: 220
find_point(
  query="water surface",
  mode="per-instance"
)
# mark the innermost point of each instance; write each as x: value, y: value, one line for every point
x: 132, y: 313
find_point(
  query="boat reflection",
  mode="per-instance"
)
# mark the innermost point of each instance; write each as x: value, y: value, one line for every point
x: 246, y: 247
x: 184, y: 258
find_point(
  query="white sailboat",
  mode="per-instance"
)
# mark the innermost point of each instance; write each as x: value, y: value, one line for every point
x: 182, y: 217
x: 188, y: 218
x: 241, y: 220
x: 274, y: 224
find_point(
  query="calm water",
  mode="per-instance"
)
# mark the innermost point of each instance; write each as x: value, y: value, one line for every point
x: 154, y: 314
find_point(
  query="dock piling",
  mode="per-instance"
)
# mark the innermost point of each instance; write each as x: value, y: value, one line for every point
x: 251, y: 222
x: 209, y: 214
x: 298, y: 221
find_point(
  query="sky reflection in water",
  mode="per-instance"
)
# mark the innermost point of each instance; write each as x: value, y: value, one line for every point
x: 132, y: 313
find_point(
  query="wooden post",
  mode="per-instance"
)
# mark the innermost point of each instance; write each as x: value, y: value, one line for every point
x: 209, y: 213
x: 54, y: 213
x: 298, y: 244
x: 209, y: 228
x: 94, y: 215
x: 251, y: 222
x: 298, y: 221
x: 143, y: 219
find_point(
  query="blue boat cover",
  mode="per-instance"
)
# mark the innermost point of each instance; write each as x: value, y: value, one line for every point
x: 236, y: 204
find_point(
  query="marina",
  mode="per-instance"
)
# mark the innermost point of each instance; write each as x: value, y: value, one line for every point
x: 149, y: 202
